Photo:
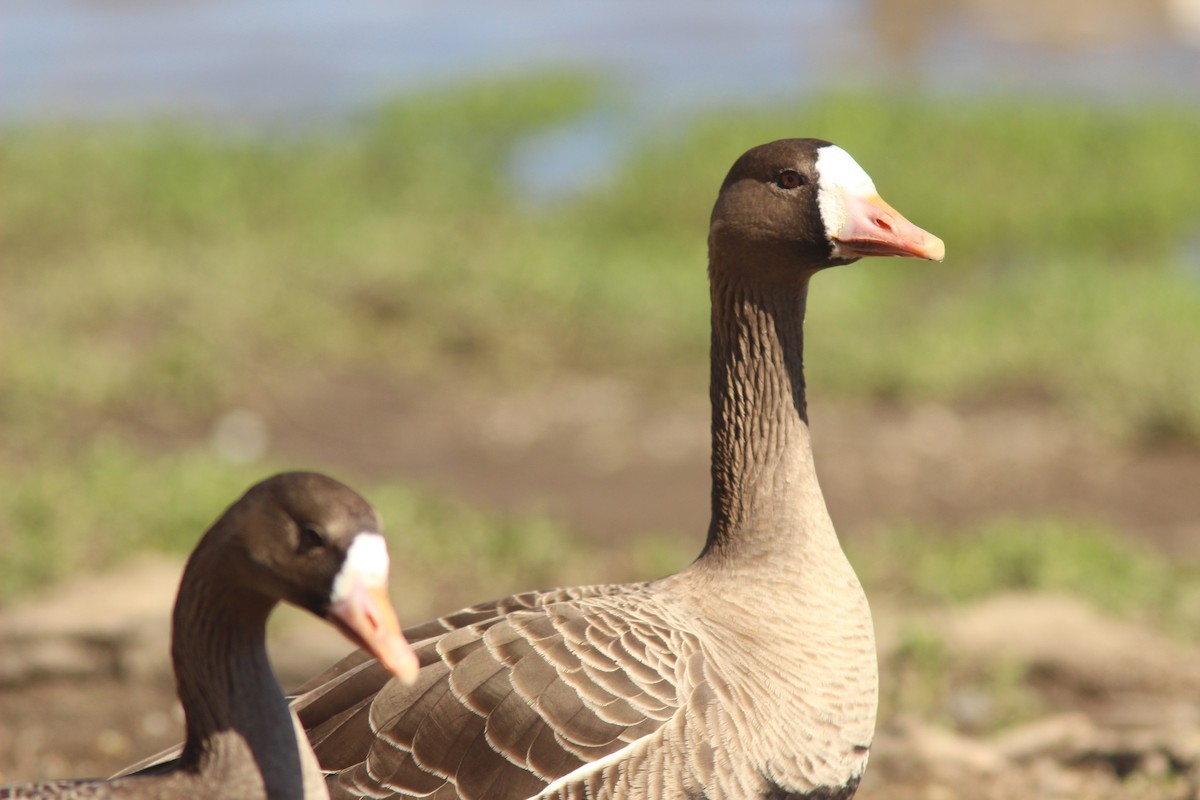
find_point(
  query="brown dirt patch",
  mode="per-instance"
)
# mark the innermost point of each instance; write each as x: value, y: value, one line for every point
x: 610, y: 461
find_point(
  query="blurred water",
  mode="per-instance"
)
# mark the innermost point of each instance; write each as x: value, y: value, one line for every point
x: 256, y: 61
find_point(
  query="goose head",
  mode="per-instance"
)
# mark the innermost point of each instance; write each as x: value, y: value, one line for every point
x: 308, y: 540
x: 806, y: 203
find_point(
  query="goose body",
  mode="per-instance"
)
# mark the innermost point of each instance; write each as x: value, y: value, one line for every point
x: 297, y: 537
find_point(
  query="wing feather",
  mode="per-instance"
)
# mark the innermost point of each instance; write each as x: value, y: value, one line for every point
x: 513, y: 695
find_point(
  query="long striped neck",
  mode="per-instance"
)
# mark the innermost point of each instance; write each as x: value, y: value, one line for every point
x: 238, y: 721
x: 765, y: 496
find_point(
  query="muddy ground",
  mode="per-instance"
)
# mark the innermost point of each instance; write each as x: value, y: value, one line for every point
x: 1119, y: 706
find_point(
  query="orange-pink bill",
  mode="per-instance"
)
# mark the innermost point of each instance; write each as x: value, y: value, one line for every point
x: 874, y: 228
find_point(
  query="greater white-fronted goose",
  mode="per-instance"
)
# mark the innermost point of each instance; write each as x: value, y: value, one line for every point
x: 751, y: 673
x: 298, y: 537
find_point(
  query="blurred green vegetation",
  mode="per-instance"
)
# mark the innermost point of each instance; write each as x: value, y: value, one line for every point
x: 114, y: 500
x: 147, y: 270
x: 932, y: 570
x: 1114, y: 573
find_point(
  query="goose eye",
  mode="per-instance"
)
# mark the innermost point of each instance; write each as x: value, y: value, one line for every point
x: 789, y: 179
x: 310, y: 539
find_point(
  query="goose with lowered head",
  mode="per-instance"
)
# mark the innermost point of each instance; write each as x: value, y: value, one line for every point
x: 302, y: 538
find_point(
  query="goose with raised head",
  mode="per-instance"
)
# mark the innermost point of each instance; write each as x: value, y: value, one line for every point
x: 302, y: 538
x: 751, y: 673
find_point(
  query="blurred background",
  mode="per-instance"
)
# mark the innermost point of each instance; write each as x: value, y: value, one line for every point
x: 454, y: 255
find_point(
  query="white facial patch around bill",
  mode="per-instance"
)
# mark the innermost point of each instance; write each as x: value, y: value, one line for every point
x: 839, y: 176
x: 366, y: 563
